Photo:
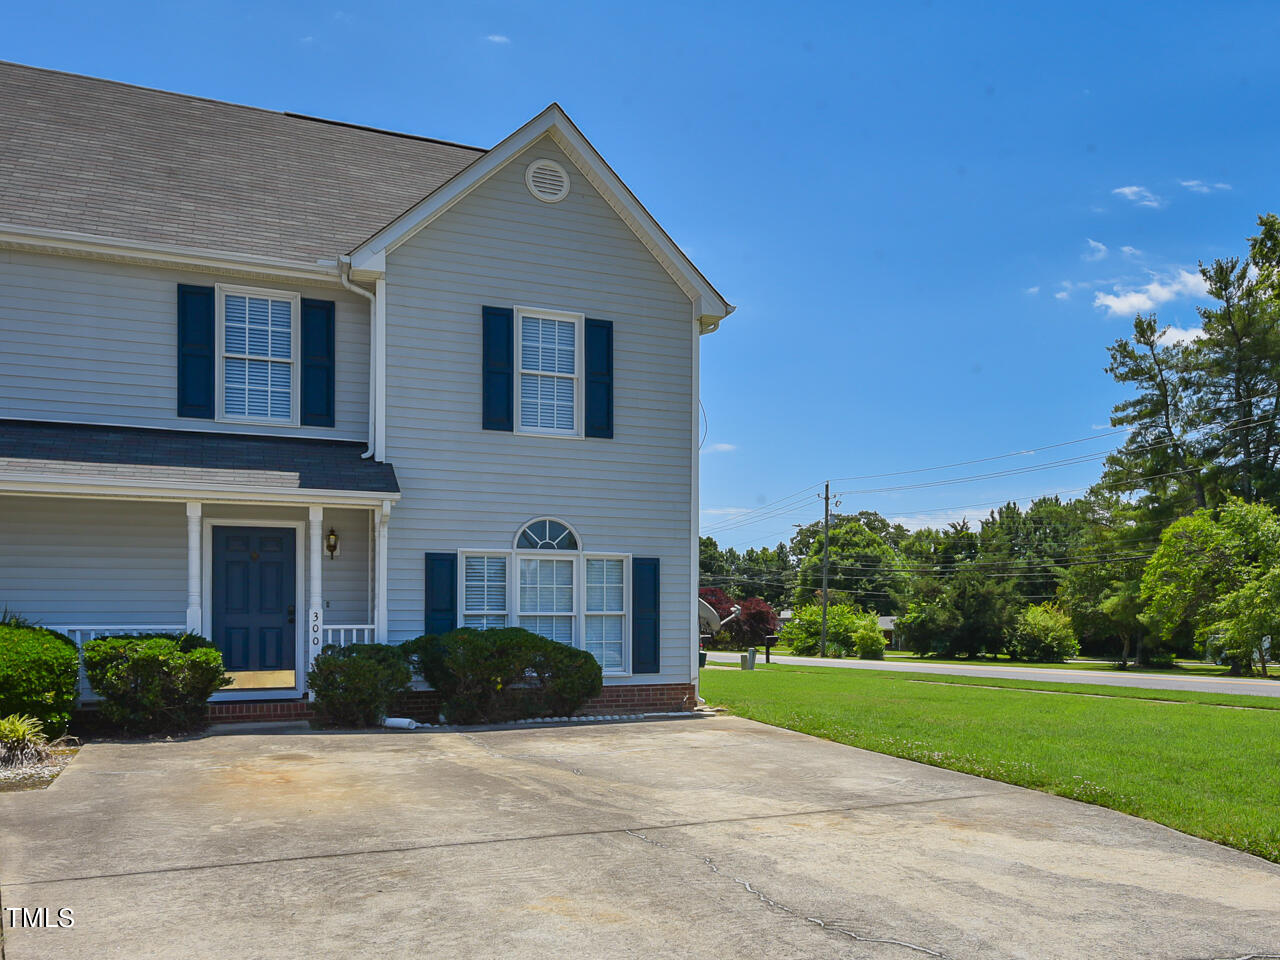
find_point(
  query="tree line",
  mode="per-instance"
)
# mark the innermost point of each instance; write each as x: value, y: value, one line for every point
x: 1174, y: 550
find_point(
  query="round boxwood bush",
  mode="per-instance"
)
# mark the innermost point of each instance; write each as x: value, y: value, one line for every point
x: 355, y: 686
x: 39, y: 674
x: 494, y: 676
x: 154, y: 684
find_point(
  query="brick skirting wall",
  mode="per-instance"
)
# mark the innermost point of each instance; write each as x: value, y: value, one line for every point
x: 424, y: 705
x: 642, y: 698
x: 247, y: 711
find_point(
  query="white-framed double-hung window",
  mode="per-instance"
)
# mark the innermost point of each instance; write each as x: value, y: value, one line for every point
x: 257, y: 355
x: 605, y: 611
x: 547, y: 597
x: 484, y: 591
x: 547, y: 584
x: 549, y: 354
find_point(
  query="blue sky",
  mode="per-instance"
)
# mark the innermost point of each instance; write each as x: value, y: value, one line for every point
x: 933, y: 216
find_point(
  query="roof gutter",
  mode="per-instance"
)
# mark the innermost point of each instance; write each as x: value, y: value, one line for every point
x: 376, y: 357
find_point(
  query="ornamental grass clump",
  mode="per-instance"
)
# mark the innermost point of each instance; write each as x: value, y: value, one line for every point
x: 22, y: 741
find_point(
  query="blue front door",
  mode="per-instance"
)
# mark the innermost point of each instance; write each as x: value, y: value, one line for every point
x: 253, y: 602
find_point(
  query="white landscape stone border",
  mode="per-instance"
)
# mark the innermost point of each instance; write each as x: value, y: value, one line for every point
x: 538, y: 721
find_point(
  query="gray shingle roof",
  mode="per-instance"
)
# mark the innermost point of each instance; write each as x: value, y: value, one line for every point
x: 189, y: 458
x: 113, y: 160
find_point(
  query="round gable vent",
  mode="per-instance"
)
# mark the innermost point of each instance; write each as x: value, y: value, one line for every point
x: 547, y: 180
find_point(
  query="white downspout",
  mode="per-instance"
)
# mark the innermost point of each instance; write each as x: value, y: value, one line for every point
x: 344, y: 274
x: 380, y: 315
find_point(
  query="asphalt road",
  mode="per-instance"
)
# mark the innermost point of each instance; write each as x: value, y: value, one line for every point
x: 1255, y: 686
x: 712, y: 837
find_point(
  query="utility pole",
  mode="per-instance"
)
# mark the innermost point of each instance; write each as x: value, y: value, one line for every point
x: 826, y: 528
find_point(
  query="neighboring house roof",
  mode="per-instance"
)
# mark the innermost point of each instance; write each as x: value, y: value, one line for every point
x: 113, y: 160
x: 70, y: 452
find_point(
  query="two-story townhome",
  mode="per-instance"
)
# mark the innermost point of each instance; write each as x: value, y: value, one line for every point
x: 287, y: 382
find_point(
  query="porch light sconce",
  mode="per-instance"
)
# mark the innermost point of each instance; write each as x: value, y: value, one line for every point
x: 331, y: 543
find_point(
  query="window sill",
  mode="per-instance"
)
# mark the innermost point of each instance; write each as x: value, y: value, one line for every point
x: 261, y: 422
x: 549, y: 434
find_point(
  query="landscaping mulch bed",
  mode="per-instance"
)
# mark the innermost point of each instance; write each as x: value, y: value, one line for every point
x: 36, y: 776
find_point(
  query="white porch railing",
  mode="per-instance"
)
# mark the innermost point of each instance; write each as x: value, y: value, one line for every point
x: 346, y: 635
x: 82, y: 635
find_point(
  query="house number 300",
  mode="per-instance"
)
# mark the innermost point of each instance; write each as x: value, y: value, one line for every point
x: 315, y: 626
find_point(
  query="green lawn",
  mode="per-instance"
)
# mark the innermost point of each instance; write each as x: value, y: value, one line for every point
x: 1168, y: 756
x: 1195, y: 667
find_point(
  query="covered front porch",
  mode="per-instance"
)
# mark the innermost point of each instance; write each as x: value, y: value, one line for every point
x: 244, y: 540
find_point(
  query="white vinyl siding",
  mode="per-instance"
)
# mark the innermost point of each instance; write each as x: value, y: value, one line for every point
x: 484, y: 591
x: 605, y: 633
x: 546, y: 598
x: 93, y: 342
x: 549, y: 372
x: 469, y: 489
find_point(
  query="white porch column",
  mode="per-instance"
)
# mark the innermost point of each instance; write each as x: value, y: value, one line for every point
x: 383, y: 517
x: 315, y: 601
x: 194, y: 582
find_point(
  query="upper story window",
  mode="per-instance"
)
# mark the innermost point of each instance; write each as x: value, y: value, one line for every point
x: 548, y: 397
x: 257, y: 355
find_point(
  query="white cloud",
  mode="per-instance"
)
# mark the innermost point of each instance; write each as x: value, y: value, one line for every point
x: 725, y: 511
x: 1199, y: 186
x: 1069, y: 287
x: 498, y: 38
x: 307, y: 40
x: 1033, y: 290
x: 1127, y: 302
x: 1178, y: 335
x: 1131, y: 251
x: 1095, y: 252
x: 721, y: 448
x: 1139, y: 195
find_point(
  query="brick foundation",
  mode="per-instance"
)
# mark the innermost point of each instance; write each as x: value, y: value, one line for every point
x: 249, y: 711
x: 641, y: 698
x: 424, y: 705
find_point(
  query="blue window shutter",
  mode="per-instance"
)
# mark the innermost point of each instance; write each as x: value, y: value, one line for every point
x: 644, y: 615
x: 317, y: 363
x: 598, y: 354
x: 498, y: 368
x: 442, y: 593
x: 196, y: 342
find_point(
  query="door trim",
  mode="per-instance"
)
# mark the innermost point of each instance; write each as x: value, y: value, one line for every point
x: 300, y: 578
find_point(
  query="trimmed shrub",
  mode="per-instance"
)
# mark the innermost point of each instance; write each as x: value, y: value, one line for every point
x: 152, y: 684
x: 355, y: 686
x: 868, y: 641
x: 1042, y: 633
x: 850, y: 632
x: 39, y: 674
x: 493, y: 676
x: 22, y: 741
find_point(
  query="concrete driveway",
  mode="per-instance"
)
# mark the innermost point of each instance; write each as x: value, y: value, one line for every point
x: 1255, y: 686
x: 716, y: 838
